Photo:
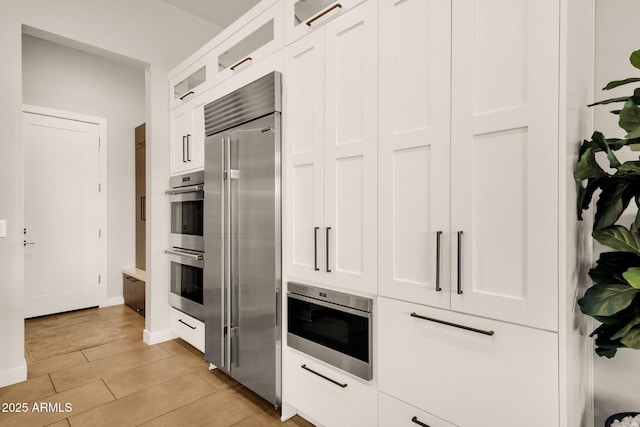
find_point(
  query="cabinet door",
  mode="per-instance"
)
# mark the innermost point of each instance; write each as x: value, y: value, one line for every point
x: 351, y: 146
x: 505, y: 160
x: 141, y: 210
x: 303, y: 119
x: 413, y: 181
x: 464, y: 376
x: 305, y: 16
x: 187, y: 136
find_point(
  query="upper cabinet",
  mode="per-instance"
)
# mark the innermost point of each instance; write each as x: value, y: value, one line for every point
x: 329, y: 115
x: 304, y: 16
x: 257, y: 40
x: 186, y: 85
x: 187, y: 136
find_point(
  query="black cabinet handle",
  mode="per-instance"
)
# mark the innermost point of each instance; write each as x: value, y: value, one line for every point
x: 328, y: 270
x: 420, y: 423
x: 323, y: 377
x: 455, y: 325
x: 315, y: 248
x: 459, y: 262
x: 185, y: 323
x: 186, y: 94
x: 438, y: 235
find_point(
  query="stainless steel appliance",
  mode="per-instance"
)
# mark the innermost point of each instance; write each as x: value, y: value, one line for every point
x: 331, y: 326
x: 243, y: 236
x: 186, y: 284
x: 187, y: 204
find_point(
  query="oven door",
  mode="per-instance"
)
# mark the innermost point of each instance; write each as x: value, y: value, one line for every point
x: 335, y: 334
x: 187, y: 218
x: 187, y: 268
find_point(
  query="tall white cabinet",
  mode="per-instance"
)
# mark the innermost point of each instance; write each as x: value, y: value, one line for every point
x: 330, y: 116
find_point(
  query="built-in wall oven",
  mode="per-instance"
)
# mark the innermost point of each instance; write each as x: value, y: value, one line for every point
x: 186, y: 255
x: 187, y: 203
x: 332, y: 326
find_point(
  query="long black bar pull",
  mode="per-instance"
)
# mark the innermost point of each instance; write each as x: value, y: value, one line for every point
x: 455, y: 325
x: 315, y: 248
x: 459, y: 262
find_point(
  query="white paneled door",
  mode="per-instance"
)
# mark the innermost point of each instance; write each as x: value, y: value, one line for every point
x: 62, y: 214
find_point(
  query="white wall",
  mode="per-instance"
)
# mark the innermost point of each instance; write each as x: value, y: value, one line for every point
x: 68, y: 79
x: 148, y: 31
x: 616, y: 379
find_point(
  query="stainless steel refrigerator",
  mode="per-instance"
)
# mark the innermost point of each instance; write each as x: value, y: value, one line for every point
x: 242, y: 232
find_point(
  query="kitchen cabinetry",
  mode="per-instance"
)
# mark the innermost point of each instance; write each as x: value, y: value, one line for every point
x: 331, y: 142
x: 133, y: 290
x: 475, y: 362
x: 141, y: 198
x: 187, y: 328
x: 477, y: 248
x: 396, y: 413
x: 305, y: 16
x: 189, y: 83
x: 187, y: 136
x: 326, y: 395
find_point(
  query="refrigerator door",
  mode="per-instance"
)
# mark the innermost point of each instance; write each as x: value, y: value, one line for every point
x: 256, y: 255
x: 215, y: 293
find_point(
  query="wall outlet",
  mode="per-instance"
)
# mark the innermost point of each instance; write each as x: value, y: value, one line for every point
x: 3, y: 228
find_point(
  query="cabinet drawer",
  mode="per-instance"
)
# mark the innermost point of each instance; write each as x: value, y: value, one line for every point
x: 304, y: 16
x: 464, y: 375
x: 395, y: 413
x: 188, y: 328
x: 324, y: 401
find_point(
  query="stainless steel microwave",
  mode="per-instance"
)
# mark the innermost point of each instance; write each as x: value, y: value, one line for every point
x: 332, y: 326
x: 187, y: 211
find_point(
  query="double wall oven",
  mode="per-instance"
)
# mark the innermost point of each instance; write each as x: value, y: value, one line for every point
x: 186, y: 254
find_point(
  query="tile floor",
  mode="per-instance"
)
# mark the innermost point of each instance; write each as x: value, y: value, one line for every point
x: 128, y: 383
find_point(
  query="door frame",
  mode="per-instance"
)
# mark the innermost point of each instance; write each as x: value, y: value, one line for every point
x: 102, y: 197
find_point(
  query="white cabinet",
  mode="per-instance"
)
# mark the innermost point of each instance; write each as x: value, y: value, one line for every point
x: 187, y: 136
x: 396, y: 413
x: 327, y: 396
x: 329, y: 117
x: 304, y: 16
x: 188, y: 328
x: 256, y: 40
x: 468, y: 370
x: 189, y: 83
x: 487, y: 190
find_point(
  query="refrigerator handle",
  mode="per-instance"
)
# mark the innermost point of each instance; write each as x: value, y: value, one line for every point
x: 228, y: 297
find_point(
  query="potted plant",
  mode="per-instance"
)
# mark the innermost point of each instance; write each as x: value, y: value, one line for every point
x: 614, y: 297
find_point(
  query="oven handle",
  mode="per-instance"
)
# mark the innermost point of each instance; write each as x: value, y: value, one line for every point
x: 338, y: 307
x: 196, y: 256
x: 189, y: 189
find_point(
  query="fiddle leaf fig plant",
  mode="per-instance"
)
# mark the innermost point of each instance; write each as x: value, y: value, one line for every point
x: 614, y: 297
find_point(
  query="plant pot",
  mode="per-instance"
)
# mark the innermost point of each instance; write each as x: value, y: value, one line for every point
x: 619, y: 416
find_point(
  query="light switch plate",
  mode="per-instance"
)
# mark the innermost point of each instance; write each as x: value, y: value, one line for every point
x: 3, y: 228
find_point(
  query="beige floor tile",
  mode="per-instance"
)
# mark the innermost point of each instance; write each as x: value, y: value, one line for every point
x: 219, y: 379
x: 142, y: 377
x: 261, y: 419
x: 61, y: 423
x: 81, y: 399
x: 73, y: 377
x: 176, y: 346
x: 147, y: 404
x: 298, y: 421
x: 65, y: 361
x: 34, y: 388
x: 221, y: 409
x: 113, y: 348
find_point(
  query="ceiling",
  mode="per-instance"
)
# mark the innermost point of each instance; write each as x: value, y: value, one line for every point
x: 219, y: 12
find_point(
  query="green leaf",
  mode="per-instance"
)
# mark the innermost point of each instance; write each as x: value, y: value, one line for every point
x: 630, y: 167
x: 632, y: 338
x: 587, y: 166
x: 610, y: 266
x: 617, y: 83
x: 619, y: 238
x: 626, y: 328
x: 609, y: 101
x: 630, y: 119
x: 599, y: 139
x: 635, y: 58
x: 635, y: 227
x: 586, y: 194
x: 607, y: 300
x: 632, y: 276
x: 613, y: 200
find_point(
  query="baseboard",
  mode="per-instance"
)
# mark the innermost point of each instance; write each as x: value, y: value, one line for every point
x: 157, y: 337
x: 14, y: 375
x: 114, y: 301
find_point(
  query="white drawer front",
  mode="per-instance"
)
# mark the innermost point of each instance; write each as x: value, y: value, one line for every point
x: 395, y: 413
x: 188, y: 328
x: 466, y: 377
x: 323, y: 401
